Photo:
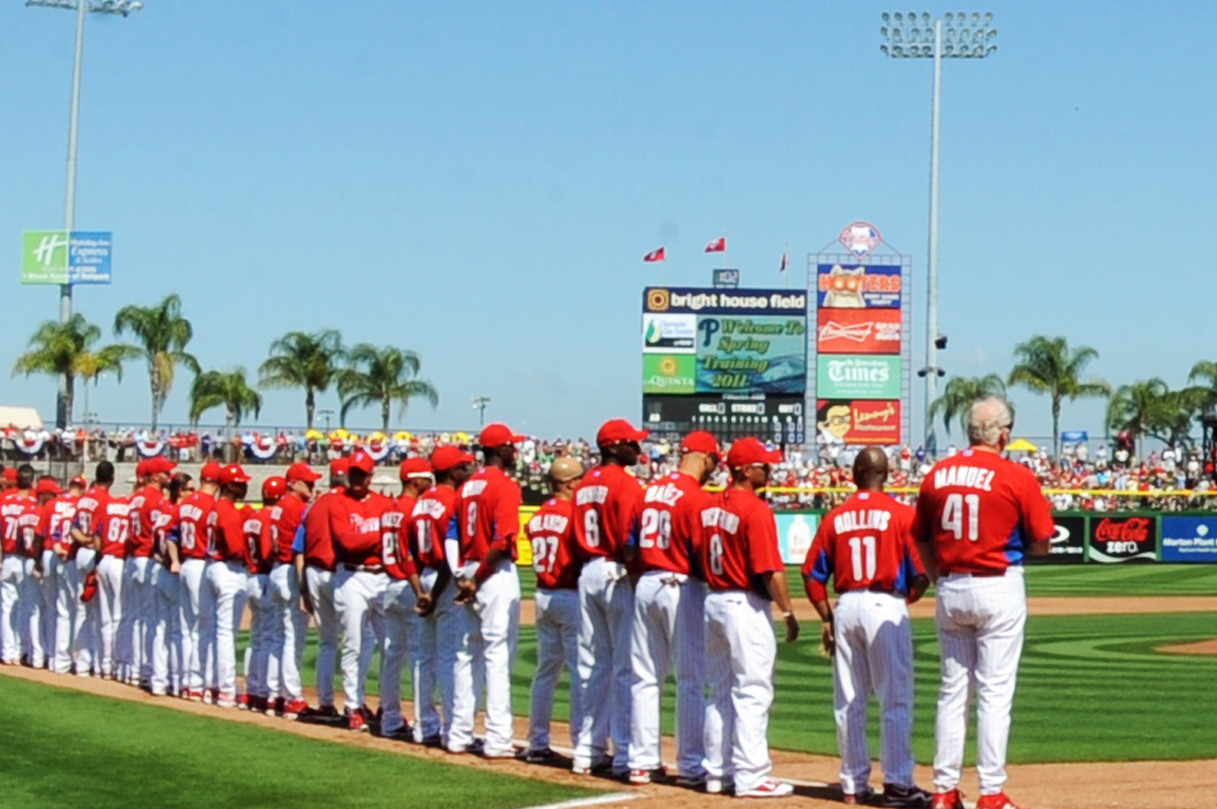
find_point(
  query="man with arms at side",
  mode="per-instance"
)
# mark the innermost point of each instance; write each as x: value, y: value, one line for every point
x: 260, y: 540
x: 669, y: 613
x: 111, y: 536
x: 17, y: 508
x: 88, y: 513
x: 555, y: 555
x: 68, y: 612
x: 744, y: 575
x: 198, y: 607
x: 978, y: 515
x: 227, y: 579
x: 605, y: 505
x: 139, y: 602
x: 865, y: 545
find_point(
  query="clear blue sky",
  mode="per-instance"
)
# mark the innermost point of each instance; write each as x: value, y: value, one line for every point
x: 479, y: 181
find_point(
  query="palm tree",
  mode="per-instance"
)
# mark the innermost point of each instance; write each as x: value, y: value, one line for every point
x: 66, y: 350
x: 1206, y: 394
x: 960, y: 394
x: 1048, y: 365
x: 163, y: 334
x: 382, y: 376
x: 299, y: 360
x: 1148, y: 407
x: 227, y: 389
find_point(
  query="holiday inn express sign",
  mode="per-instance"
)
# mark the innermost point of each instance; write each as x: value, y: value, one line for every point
x: 60, y: 257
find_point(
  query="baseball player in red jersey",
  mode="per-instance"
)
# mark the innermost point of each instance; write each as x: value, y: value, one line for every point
x: 227, y: 578
x: 669, y: 613
x: 111, y: 534
x: 555, y: 559
x: 198, y: 606
x: 865, y: 545
x: 605, y: 504
x: 168, y: 675
x: 433, y: 635
x: 88, y: 513
x: 67, y: 607
x: 44, y: 570
x: 138, y: 595
x: 978, y: 515
x: 315, y: 567
x: 260, y: 541
x: 18, y: 524
x: 481, y: 550
x: 290, y: 626
x: 353, y: 526
x: 744, y: 573
x: 403, y: 594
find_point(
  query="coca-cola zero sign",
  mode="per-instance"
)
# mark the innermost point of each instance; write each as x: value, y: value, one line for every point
x: 1124, y: 538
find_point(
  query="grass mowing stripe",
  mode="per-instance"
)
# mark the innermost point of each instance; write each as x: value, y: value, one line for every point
x: 64, y: 748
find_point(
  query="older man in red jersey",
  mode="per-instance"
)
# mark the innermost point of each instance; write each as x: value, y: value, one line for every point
x: 555, y: 559
x: 433, y: 635
x: 978, y: 516
x: 745, y: 574
x: 669, y: 602
x: 290, y: 625
x: 865, y: 545
x: 605, y: 505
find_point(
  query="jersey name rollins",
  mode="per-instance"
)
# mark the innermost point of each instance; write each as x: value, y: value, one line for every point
x: 874, y: 519
x: 971, y: 477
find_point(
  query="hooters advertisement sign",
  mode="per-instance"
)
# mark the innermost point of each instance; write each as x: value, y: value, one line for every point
x: 840, y: 421
x: 858, y: 331
x: 1124, y: 538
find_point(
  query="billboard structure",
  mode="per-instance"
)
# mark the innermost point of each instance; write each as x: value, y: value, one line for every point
x: 63, y: 257
x: 732, y: 361
x: 859, y: 386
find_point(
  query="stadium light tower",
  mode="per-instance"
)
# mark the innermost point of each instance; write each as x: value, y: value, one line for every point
x: 957, y: 35
x: 479, y: 404
x: 120, y: 8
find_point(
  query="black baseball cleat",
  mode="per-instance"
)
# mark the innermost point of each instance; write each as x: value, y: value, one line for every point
x: 898, y: 797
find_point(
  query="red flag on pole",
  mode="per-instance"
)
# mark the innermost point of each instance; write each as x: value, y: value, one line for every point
x: 654, y: 255
x: 719, y: 245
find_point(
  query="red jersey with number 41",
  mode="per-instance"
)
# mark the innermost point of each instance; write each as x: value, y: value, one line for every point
x: 605, y: 504
x: 429, y: 525
x: 980, y: 511
x: 741, y: 542
x: 554, y: 552
x: 667, y: 530
x: 866, y: 543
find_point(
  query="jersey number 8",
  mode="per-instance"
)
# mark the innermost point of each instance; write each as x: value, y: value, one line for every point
x: 591, y: 529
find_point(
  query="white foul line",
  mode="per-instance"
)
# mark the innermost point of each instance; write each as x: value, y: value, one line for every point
x: 612, y: 797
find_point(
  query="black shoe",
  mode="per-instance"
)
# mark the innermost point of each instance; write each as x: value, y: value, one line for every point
x: 402, y: 734
x: 914, y: 797
x: 434, y: 740
x: 542, y: 756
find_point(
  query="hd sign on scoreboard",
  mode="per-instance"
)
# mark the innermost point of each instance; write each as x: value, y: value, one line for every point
x: 861, y: 357
x: 730, y: 360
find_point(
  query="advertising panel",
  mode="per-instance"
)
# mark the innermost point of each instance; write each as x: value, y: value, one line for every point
x: 766, y: 354
x: 669, y: 373
x: 1189, y: 539
x: 60, y: 257
x: 795, y: 533
x: 669, y: 334
x: 860, y: 287
x: 1124, y: 538
x: 858, y: 331
x: 841, y: 421
x: 1068, y: 544
x: 850, y: 376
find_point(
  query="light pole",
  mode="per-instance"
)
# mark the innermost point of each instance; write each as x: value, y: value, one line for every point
x: 913, y: 36
x: 121, y: 8
x: 479, y: 404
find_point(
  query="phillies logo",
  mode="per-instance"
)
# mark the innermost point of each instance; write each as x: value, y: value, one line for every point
x: 1134, y: 529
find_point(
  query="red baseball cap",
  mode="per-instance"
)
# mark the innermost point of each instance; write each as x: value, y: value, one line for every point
x: 619, y: 431
x: 273, y: 488
x: 160, y: 464
x: 233, y: 473
x: 210, y: 473
x: 339, y: 467
x: 10, y: 474
x: 448, y: 457
x: 47, y: 486
x: 80, y: 481
x: 750, y: 452
x: 498, y: 435
x: 701, y: 441
x: 362, y: 461
x: 302, y: 471
x: 416, y: 468
x: 141, y: 469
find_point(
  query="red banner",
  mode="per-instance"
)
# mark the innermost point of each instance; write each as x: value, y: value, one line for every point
x: 858, y: 422
x: 858, y: 331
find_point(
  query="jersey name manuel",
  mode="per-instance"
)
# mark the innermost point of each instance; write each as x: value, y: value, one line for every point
x: 972, y: 477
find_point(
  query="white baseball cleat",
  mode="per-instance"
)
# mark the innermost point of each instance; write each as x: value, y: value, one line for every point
x: 769, y: 788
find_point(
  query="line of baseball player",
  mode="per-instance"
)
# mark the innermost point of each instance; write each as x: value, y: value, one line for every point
x: 632, y: 584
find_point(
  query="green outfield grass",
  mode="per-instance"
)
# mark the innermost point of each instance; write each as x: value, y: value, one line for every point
x: 63, y: 748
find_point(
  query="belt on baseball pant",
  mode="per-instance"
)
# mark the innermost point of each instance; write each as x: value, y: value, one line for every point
x: 976, y: 574
x: 363, y: 568
x: 667, y: 577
